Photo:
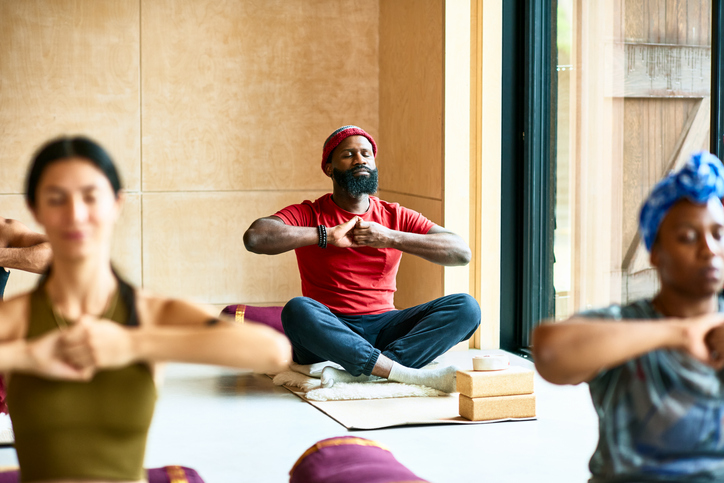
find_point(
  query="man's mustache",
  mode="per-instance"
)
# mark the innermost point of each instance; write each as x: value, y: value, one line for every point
x: 360, y: 168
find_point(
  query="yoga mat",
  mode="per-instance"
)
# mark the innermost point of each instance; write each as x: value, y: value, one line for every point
x: 395, y: 412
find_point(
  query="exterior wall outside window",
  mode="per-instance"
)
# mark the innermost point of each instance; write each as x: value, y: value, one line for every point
x: 632, y: 104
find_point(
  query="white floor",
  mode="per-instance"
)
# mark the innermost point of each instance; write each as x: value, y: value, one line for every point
x: 238, y: 427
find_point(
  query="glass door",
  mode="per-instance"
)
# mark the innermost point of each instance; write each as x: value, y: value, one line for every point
x: 633, y: 102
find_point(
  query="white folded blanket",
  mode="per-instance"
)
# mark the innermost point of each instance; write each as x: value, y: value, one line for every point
x: 313, y: 370
x: 300, y: 377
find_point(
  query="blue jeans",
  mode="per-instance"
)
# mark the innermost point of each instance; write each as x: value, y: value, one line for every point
x: 412, y: 337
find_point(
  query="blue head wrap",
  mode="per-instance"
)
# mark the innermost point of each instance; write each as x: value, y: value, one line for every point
x: 698, y: 181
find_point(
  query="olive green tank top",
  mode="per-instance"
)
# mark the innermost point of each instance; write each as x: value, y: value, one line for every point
x: 82, y: 430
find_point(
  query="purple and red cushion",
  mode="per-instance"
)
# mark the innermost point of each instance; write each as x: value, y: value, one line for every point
x: 349, y: 459
x: 167, y: 474
x: 271, y: 316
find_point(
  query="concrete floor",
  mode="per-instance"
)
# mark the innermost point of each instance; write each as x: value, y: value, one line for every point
x: 238, y: 427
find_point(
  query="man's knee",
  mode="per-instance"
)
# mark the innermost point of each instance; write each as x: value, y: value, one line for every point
x: 297, y: 312
x: 468, y: 310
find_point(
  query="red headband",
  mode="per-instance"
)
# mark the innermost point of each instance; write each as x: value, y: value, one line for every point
x: 336, y: 138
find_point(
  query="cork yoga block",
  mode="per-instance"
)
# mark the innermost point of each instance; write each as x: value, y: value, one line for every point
x: 508, y: 382
x: 497, y: 407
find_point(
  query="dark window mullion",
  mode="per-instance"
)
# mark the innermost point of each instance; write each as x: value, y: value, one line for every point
x: 527, y: 205
x: 538, y: 212
x: 717, y: 77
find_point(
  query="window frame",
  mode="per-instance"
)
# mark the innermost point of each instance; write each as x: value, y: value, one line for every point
x: 527, y: 175
x: 717, y: 77
x: 528, y: 162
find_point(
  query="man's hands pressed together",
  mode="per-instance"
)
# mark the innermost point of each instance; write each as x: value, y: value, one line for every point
x: 342, y: 235
x: 359, y: 233
x: 371, y: 234
x: 438, y: 245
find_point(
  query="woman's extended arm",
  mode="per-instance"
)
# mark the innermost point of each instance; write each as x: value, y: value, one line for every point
x: 576, y: 350
x: 249, y: 346
x: 176, y: 332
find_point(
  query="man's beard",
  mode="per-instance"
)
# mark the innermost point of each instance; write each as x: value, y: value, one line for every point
x: 356, y: 185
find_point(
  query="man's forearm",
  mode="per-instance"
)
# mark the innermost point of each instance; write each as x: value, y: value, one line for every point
x: 268, y: 237
x: 34, y: 259
x: 442, y: 248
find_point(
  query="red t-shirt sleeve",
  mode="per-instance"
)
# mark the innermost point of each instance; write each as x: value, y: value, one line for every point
x: 413, y: 222
x: 297, y: 215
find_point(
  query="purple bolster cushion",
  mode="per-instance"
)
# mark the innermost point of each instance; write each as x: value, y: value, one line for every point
x: 271, y: 316
x: 177, y: 474
x: 349, y: 459
x: 3, y: 395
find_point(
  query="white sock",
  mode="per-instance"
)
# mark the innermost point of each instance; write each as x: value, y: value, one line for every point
x: 440, y: 378
x: 330, y: 375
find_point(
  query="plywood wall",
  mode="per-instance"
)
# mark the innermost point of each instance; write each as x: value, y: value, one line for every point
x: 653, y: 127
x: 238, y: 98
x: 216, y: 112
x: 70, y: 66
x: 411, y: 127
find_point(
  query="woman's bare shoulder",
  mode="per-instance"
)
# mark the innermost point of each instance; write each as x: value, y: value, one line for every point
x: 14, y: 314
x: 158, y: 310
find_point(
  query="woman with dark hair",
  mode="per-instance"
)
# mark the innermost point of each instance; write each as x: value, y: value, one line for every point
x: 80, y: 349
x: 654, y: 366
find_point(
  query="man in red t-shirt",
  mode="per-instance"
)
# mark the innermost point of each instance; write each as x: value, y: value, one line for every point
x: 348, y: 246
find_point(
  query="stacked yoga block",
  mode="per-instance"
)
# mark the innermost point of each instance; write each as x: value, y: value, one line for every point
x: 496, y: 394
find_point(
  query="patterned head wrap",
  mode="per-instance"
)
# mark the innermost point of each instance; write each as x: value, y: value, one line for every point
x: 698, y: 181
x: 336, y: 138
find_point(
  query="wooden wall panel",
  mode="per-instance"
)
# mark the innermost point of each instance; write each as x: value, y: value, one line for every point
x: 652, y: 128
x: 193, y: 247
x: 127, y: 236
x: 126, y: 253
x: 636, y: 24
x: 68, y: 66
x: 705, y: 23
x: 656, y: 15
x: 411, y: 97
x: 693, y: 35
x: 230, y: 97
x: 682, y: 22
x: 418, y: 280
x: 242, y: 94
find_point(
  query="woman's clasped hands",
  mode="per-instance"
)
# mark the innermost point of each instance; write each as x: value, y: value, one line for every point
x: 703, y: 338
x: 78, y: 352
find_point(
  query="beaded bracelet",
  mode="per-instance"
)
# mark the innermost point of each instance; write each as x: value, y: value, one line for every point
x: 322, y: 232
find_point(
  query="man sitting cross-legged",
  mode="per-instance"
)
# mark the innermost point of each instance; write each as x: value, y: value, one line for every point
x: 348, y: 246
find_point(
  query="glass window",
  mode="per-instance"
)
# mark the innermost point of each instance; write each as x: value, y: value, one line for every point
x: 633, y: 87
